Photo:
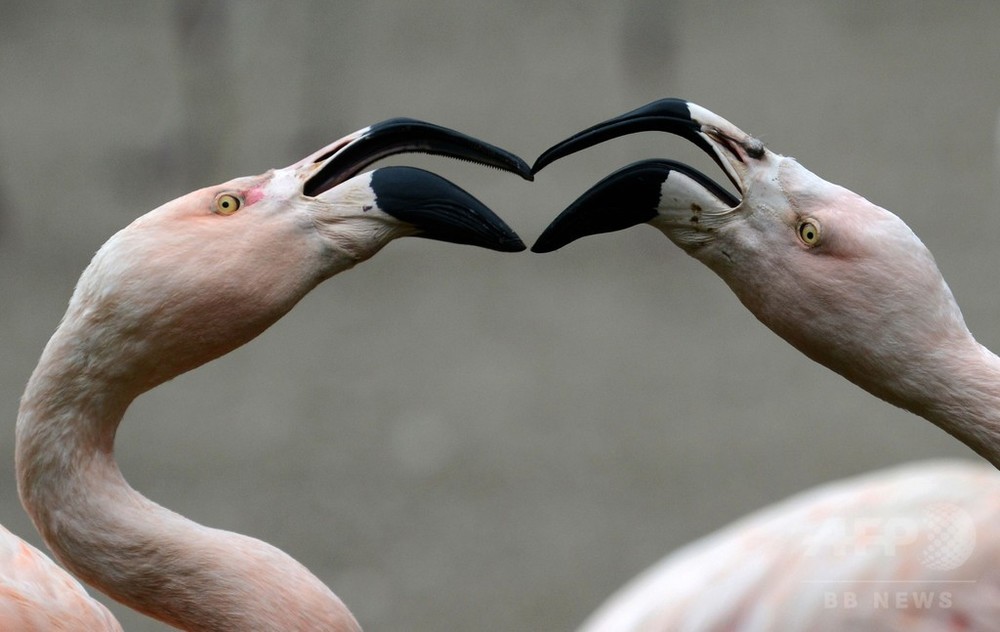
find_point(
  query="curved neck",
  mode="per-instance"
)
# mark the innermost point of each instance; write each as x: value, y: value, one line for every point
x: 139, y: 553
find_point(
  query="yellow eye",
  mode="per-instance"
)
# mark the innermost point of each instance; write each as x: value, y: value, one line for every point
x: 227, y: 204
x: 809, y: 232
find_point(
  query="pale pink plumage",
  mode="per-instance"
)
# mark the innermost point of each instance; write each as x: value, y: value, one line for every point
x: 850, y: 285
x: 909, y: 549
x: 178, y: 287
x: 38, y: 596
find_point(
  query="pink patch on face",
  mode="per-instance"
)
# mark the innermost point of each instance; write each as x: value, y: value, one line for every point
x: 252, y: 196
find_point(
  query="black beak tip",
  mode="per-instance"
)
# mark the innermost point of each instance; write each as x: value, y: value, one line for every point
x: 522, y: 169
x: 512, y: 244
x: 627, y: 197
x: 540, y: 164
x: 435, y: 139
x: 440, y: 210
x: 547, y: 242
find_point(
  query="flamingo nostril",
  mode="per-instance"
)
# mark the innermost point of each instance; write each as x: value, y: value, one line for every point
x: 754, y: 148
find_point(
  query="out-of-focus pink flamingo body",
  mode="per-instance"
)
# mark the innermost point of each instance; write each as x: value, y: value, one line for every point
x: 180, y: 286
x: 38, y: 596
x: 849, y: 285
x: 907, y: 549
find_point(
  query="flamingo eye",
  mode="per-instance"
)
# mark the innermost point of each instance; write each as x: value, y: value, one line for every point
x: 809, y: 232
x: 227, y: 204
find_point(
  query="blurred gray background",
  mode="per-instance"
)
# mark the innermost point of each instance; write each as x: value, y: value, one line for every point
x: 458, y: 439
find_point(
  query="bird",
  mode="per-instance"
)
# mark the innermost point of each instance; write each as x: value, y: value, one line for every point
x: 850, y: 285
x: 37, y: 594
x: 911, y: 547
x: 184, y: 284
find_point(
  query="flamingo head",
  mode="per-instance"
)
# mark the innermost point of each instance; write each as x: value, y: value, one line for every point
x: 844, y: 281
x: 204, y: 273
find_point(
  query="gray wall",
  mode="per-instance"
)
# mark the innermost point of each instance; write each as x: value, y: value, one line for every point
x: 454, y: 438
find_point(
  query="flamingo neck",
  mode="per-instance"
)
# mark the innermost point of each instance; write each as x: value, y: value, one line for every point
x: 139, y: 553
x: 961, y: 394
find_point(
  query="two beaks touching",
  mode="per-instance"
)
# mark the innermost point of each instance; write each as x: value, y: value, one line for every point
x: 432, y: 207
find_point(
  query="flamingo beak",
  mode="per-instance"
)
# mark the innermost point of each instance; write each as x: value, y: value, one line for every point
x: 724, y: 142
x: 439, y: 210
x: 435, y: 207
x: 637, y: 193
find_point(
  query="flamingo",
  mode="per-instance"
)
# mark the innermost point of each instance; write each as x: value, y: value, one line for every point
x: 848, y: 284
x: 36, y: 594
x: 181, y: 285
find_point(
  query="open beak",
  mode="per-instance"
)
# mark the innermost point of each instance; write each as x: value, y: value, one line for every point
x: 436, y: 208
x: 649, y: 189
